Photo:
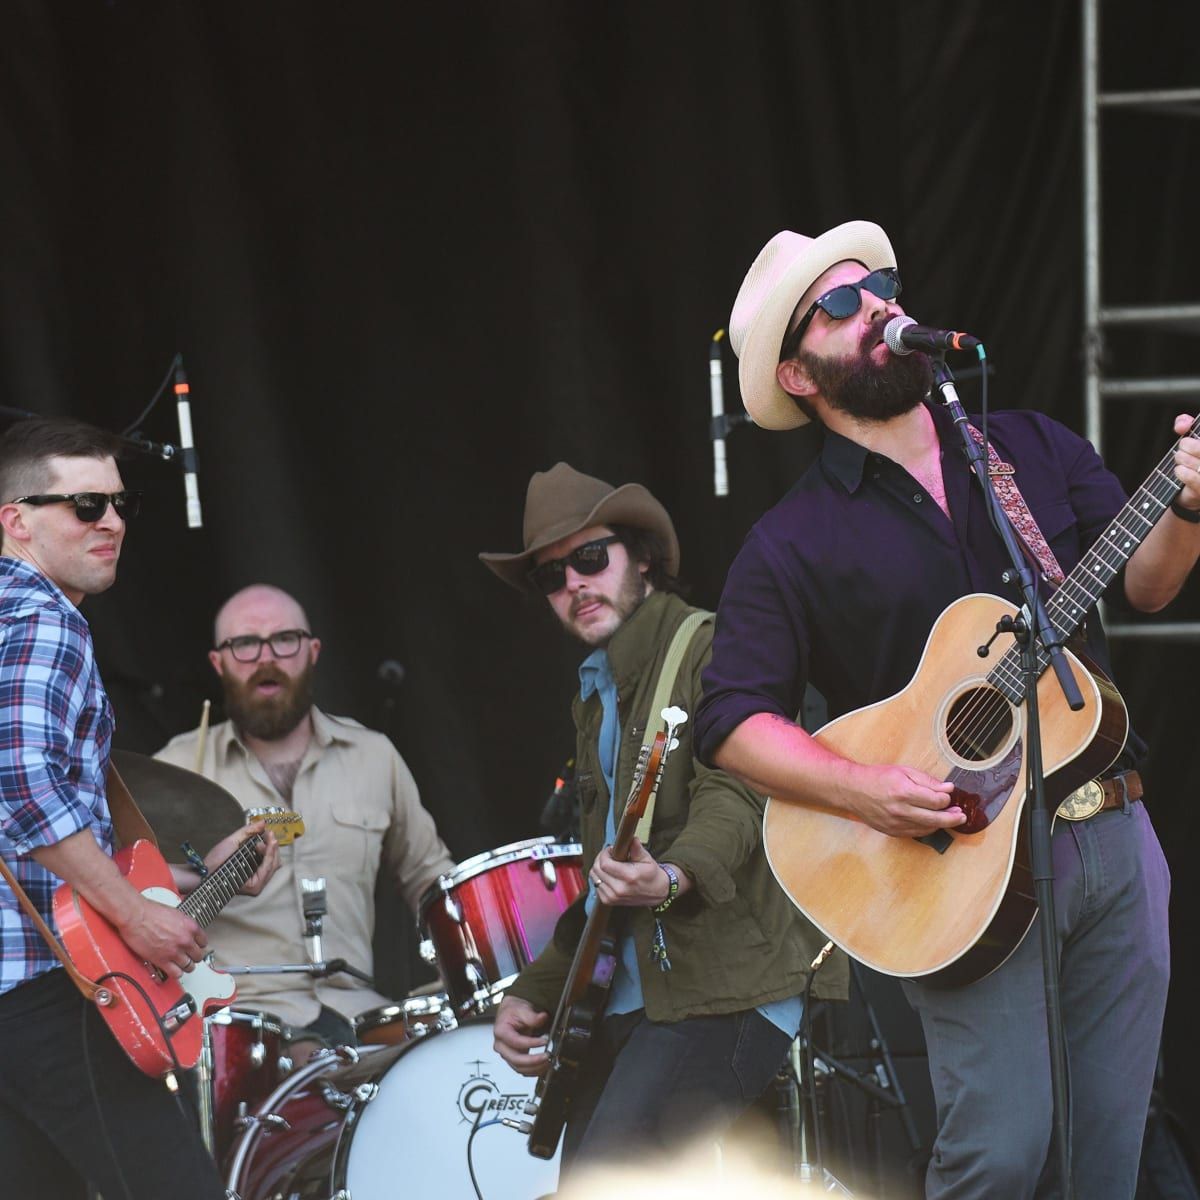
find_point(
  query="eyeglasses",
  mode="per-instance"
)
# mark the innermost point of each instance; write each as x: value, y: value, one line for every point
x: 91, y: 506
x: 247, y: 647
x: 589, y: 559
x: 841, y: 302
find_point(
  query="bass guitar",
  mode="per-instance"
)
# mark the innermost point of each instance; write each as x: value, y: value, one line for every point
x: 157, y: 1019
x: 952, y: 906
x: 590, y: 978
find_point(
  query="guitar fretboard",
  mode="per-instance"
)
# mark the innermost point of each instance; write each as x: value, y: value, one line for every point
x: 205, y: 903
x: 1097, y: 568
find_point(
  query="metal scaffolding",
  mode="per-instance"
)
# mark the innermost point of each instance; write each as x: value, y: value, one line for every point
x: 1172, y: 103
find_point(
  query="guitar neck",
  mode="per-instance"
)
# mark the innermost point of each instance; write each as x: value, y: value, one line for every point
x: 1072, y: 600
x: 206, y: 902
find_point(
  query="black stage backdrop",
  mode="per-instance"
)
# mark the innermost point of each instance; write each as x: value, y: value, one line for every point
x: 413, y: 254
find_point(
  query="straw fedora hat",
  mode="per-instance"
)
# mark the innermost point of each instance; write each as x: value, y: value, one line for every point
x: 562, y: 501
x: 786, y: 267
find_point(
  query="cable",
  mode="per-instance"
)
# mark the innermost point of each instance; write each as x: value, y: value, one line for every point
x: 162, y: 387
x: 470, y: 1164
x: 91, y: 1075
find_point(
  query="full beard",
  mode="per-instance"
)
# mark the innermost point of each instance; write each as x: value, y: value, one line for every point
x: 269, y: 718
x: 868, y: 391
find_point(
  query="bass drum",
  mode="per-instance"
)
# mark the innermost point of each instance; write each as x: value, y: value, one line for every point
x: 404, y: 1122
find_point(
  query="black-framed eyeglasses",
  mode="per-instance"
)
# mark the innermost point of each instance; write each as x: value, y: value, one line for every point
x: 91, y: 506
x: 589, y: 559
x: 247, y: 647
x: 841, y: 302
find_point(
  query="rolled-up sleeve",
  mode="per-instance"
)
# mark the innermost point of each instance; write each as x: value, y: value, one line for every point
x: 43, y: 691
x: 760, y: 650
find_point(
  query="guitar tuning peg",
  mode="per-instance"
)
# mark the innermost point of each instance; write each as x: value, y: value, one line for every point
x: 674, y: 716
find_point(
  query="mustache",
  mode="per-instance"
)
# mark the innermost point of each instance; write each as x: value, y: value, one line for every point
x: 585, y: 598
x: 873, y: 334
x: 267, y: 673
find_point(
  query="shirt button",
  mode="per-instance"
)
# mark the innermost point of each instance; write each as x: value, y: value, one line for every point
x: 917, y: 498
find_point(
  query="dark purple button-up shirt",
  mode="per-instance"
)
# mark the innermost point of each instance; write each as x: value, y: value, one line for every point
x: 840, y: 583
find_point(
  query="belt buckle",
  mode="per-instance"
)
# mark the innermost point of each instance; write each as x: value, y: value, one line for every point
x: 1083, y: 802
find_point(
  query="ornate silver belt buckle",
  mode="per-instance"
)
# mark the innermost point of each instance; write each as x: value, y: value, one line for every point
x: 1083, y: 802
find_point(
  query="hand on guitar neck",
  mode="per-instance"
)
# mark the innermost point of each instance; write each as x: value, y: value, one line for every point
x: 186, y: 879
x: 639, y: 883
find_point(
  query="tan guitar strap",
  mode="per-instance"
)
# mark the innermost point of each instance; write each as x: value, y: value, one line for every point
x: 129, y: 825
x: 662, y: 697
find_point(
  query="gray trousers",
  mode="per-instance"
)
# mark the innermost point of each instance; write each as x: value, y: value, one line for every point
x: 987, y: 1042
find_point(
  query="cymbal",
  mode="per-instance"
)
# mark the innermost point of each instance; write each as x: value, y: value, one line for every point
x: 180, y: 805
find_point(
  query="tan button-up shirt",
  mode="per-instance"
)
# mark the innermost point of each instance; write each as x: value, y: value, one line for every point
x: 361, y: 812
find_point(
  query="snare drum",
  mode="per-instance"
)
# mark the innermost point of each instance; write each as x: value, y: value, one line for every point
x: 415, y: 1017
x: 415, y: 1120
x: 493, y: 914
x: 247, y: 1065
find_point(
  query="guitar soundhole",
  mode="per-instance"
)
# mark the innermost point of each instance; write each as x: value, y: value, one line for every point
x: 978, y: 724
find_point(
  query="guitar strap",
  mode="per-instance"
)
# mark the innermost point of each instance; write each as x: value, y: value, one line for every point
x: 1002, y: 475
x: 129, y: 825
x: 662, y: 697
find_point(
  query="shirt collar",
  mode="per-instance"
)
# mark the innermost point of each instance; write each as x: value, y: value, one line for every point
x: 846, y: 460
x: 595, y: 674
x: 325, y: 731
x: 27, y: 573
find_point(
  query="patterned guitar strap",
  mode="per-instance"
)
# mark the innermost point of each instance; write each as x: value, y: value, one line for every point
x: 1036, y: 547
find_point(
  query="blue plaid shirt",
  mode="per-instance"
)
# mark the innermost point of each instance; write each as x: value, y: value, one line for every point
x: 55, y: 733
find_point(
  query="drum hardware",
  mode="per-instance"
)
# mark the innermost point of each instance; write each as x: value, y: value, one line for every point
x: 427, y: 952
x: 549, y: 875
x: 344, y: 1101
x: 266, y: 1122
x: 417, y: 1016
x: 453, y: 908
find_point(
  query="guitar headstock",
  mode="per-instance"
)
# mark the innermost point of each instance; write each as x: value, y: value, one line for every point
x: 287, y: 826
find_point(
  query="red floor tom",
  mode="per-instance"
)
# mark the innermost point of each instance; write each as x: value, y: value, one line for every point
x: 248, y: 1062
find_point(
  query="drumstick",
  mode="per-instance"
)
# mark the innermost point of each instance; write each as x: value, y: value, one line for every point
x: 203, y: 737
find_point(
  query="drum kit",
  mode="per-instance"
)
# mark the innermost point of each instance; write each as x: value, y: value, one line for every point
x: 424, y: 1072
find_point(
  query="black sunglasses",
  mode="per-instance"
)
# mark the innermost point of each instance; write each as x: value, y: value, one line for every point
x: 589, y: 559
x: 841, y: 302
x: 91, y: 506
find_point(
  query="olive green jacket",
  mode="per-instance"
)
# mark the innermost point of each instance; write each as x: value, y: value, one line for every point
x: 735, y: 941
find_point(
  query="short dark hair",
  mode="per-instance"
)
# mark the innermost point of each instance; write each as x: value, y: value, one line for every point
x: 27, y: 447
x: 642, y: 545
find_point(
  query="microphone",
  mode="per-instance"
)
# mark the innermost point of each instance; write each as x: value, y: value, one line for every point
x: 903, y: 335
x: 390, y: 673
x: 717, y: 393
x: 314, y: 907
x: 187, y: 451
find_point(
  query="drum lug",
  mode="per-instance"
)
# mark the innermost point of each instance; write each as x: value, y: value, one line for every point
x: 549, y: 874
x: 453, y: 909
x: 344, y: 1101
x: 268, y: 1122
x: 258, y: 1054
x: 427, y: 952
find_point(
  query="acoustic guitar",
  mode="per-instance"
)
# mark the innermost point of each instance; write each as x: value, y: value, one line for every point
x: 952, y: 906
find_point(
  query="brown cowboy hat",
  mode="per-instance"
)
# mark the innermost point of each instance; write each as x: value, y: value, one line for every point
x: 562, y: 501
x: 786, y: 267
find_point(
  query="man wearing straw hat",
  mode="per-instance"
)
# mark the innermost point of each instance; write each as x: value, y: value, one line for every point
x: 839, y: 585
x: 713, y: 960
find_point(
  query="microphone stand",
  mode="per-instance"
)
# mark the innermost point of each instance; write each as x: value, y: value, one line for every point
x: 1031, y: 627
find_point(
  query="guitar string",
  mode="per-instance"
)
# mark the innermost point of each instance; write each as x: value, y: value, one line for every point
x: 989, y: 710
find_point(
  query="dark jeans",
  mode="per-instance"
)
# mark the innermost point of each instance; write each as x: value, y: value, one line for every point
x: 140, y: 1145
x: 651, y: 1086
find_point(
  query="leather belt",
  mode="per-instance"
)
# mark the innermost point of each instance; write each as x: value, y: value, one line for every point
x: 1098, y: 794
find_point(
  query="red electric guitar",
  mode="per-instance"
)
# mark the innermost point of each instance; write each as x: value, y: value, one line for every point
x: 157, y: 1019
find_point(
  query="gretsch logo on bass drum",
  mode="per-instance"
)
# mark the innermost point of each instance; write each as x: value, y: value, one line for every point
x: 480, y: 1099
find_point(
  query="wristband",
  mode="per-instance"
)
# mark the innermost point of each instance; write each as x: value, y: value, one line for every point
x: 672, y: 889
x: 1190, y: 515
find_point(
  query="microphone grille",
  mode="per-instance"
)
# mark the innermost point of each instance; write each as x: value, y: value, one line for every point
x: 892, y: 331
